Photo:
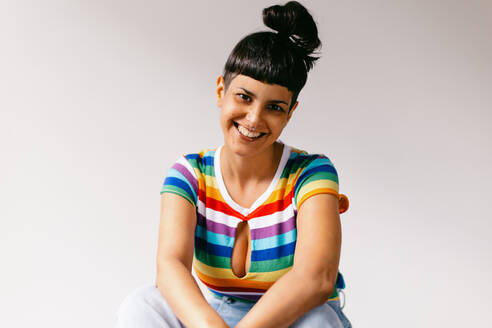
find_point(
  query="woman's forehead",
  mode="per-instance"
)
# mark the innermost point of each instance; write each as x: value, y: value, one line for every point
x: 260, y: 88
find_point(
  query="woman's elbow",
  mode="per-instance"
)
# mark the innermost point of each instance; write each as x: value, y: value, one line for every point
x: 327, y: 291
x: 327, y: 286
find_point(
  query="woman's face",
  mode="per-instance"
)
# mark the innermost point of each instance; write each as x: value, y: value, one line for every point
x: 253, y: 113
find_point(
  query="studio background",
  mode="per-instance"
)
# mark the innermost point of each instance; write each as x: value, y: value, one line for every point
x: 99, y: 98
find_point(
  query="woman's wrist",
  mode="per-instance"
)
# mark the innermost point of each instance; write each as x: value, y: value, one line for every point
x: 215, y: 323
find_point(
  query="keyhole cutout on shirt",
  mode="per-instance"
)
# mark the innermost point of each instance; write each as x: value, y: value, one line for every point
x: 241, y: 252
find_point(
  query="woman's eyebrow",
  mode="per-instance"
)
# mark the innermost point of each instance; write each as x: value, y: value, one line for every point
x: 254, y: 96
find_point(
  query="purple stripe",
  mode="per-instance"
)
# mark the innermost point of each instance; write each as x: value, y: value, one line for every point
x: 216, y: 227
x: 274, y: 230
x: 191, y: 179
x: 248, y: 297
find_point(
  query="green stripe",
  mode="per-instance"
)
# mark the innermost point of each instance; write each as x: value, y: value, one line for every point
x: 212, y: 260
x: 178, y: 191
x: 204, y: 169
x: 291, y: 170
x: 272, y: 265
x: 335, y: 293
x: 256, y: 266
x: 321, y: 176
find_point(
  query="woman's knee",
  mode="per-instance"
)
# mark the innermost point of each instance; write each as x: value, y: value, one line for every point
x: 145, y: 307
x: 321, y: 316
x: 137, y: 300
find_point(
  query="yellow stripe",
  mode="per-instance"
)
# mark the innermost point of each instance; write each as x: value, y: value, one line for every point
x: 319, y: 184
x: 279, y: 193
x: 333, y: 299
x: 276, y: 195
x: 221, y: 273
x: 210, y: 181
x: 233, y: 282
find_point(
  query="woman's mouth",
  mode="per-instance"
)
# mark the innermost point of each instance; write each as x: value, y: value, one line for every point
x: 248, y: 134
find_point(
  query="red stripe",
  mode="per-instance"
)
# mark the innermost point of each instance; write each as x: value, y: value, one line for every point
x: 218, y: 206
x: 201, y: 193
x: 271, y: 208
x: 234, y: 289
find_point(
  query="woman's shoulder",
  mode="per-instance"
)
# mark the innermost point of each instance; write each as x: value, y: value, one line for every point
x: 304, y: 158
x: 203, y: 154
x: 201, y: 160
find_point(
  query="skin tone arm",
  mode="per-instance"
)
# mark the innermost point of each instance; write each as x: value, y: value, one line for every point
x: 312, y: 278
x: 174, y: 260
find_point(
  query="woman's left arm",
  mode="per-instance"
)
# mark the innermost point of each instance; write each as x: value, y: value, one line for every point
x: 312, y: 278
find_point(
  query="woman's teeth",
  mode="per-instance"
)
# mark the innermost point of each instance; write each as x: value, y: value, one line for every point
x: 247, y: 133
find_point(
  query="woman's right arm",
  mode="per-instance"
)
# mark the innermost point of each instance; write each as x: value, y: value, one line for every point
x: 174, y: 260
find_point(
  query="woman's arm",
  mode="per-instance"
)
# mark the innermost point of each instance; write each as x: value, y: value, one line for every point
x: 312, y: 278
x: 174, y: 260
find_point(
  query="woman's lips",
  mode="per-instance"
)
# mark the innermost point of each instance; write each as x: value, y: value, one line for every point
x: 246, y: 137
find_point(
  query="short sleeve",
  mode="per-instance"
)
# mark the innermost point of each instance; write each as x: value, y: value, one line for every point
x: 181, y: 180
x: 319, y: 176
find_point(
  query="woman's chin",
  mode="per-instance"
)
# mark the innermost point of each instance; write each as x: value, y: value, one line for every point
x: 242, y: 148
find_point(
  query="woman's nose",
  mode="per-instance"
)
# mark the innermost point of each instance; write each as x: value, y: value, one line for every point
x: 254, y: 116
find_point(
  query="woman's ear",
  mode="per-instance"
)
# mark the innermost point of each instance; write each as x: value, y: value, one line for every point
x: 220, y: 90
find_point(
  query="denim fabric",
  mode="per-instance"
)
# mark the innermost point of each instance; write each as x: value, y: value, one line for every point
x: 327, y: 315
x: 146, y: 308
x: 335, y: 305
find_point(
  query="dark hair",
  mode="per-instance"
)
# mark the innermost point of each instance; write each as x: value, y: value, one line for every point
x: 281, y: 58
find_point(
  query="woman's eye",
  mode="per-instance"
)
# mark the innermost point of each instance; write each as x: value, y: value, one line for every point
x: 276, y: 107
x: 243, y: 96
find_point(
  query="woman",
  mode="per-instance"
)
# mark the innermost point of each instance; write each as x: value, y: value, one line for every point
x: 258, y: 220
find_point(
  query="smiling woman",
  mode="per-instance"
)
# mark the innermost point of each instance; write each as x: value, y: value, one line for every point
x: 257, y: 219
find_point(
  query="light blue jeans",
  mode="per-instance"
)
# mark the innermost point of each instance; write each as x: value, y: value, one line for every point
x: 146, y: 308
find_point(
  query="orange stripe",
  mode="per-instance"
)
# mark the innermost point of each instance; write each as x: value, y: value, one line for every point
x: 314, y: 192
x: 214, y: 193
x: 234, y: 282
x: 234, y: 289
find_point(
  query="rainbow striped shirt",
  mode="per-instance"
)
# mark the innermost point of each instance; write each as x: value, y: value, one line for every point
x: 272, y: 218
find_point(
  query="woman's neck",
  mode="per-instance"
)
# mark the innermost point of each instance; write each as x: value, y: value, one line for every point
x: 245, y: 171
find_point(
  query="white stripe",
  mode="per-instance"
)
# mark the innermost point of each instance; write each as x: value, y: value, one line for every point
x: 254, y: 223
x: 182, y: 160
x: 271, y: 219
x: 216, y: 216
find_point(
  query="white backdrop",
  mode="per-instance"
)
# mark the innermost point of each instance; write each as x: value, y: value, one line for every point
x: 99, y: 98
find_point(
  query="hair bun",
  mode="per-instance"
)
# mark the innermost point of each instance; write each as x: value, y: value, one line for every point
x: 293, y: 20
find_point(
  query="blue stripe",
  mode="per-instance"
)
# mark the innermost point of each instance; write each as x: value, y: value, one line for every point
x: 208, y: 160
x: 176, y: 174
x: 195, y: 157
x: 340, y: 281
x: 320, y: 168
x: 180, y: 184
x: 275, y: 241
x: 273, y: 253
x: 213, y: 249
x: 213, y: 238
